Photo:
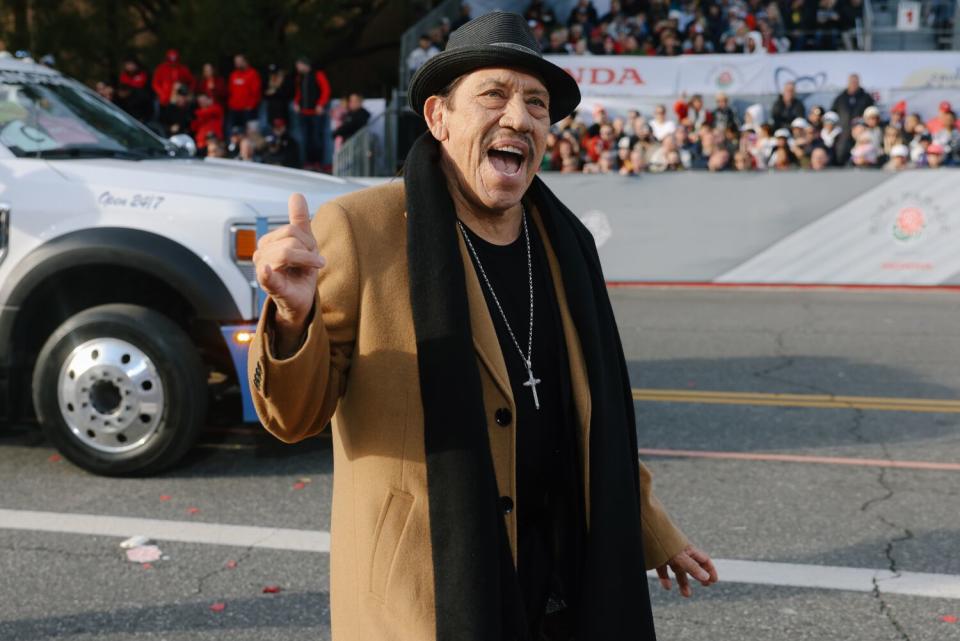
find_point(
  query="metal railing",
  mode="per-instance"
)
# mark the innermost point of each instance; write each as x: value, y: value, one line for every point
x: 937, y: 28
x: 367, y: 152
x: 356, y: 154
x: 449, y: 9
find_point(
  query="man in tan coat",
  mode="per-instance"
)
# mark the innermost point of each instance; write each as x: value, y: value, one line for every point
x: 456, y: 328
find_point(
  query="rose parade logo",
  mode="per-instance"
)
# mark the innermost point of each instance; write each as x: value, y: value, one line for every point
x: 909, y: 224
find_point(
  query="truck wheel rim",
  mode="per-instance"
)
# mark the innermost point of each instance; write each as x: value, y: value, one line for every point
x: 111, y: 395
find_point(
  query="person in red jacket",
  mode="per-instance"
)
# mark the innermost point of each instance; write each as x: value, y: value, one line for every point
x: 243, y: 92
x: 208, y: 119
x: 212, y: 84
x: 170, y: 74
x: 310, y: 97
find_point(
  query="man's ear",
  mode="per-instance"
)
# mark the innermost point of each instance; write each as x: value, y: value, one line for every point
x: 435, y: 115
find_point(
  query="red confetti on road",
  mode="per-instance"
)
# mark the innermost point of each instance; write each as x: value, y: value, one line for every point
x: 218, y: 607
x: 147, y: 566
x: 299, y: 486
x: 165, y: 497
x: 949, y: 618
x: 192, y: 510
x: 271, y: 589
x: 55, y: 458
x: 231, y: 564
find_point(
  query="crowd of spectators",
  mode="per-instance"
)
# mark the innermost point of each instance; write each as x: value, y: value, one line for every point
x: 283, y: 120
x: 671, y: 27
x: 790, y: 135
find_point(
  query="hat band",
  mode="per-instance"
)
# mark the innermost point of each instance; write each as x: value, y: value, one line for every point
x: 505, y: 45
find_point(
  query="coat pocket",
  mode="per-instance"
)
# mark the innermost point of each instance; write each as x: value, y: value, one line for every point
x: 393, y: 519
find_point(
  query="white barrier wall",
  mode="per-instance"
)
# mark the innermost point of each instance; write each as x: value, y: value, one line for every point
x: 922, y: 78
x: 839, y: 227
x: 635, y: 76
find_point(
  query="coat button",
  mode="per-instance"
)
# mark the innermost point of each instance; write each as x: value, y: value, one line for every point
x: 503, y: 417
x: 507, y: 504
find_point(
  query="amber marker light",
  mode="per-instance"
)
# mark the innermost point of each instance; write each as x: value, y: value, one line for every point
x: 244, y: 244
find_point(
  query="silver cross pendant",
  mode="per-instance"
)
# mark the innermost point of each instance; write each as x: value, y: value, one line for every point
x: 532, y: 383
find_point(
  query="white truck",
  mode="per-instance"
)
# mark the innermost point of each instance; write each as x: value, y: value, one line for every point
x: 127, y: 293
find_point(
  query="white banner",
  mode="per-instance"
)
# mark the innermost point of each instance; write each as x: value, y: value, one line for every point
x: 742, y: 74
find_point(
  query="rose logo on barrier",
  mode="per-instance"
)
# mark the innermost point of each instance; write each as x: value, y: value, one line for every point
x: 724, y: 77
x: 909, y: 224
x: 599, y: 226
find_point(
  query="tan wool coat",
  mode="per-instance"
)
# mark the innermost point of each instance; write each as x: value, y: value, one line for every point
x: 358, y: 366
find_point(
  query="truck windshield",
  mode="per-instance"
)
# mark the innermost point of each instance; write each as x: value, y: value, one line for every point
x: 46, y: 115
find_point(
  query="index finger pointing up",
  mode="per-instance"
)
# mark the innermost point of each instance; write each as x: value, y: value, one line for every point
x: 299, y: 214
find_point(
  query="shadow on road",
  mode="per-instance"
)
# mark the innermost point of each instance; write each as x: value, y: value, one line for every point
x: 291, y: 611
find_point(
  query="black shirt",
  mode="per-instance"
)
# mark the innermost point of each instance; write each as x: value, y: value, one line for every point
x: 546, y: 449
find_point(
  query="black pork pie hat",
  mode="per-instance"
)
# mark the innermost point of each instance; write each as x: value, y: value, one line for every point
x: 496, y: 39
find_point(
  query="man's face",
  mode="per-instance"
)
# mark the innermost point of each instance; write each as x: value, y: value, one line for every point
x: 494, y: 131
x: 934, y: 160
x: 303, y: 67
x: 240, y: 62
x: 789, y: 90
x: 853, y: 83
x: 660, y: 112
x: 606, y: 132
x: 354, y: 102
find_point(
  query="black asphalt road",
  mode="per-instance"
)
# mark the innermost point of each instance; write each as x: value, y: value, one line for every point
x: 79, y: 587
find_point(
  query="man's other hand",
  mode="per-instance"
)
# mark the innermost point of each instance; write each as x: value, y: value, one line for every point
x: 691, y: 562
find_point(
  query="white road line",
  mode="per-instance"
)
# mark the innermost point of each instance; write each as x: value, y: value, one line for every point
x: 186, y: 531
x: 942, y: 586
x: 830, y: 577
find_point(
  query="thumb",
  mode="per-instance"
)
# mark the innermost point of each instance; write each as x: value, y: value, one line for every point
x: 299, y: 214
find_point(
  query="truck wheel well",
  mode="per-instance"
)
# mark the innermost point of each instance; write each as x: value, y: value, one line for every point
x: 70, y: 291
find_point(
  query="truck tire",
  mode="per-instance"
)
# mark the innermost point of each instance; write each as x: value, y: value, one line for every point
x: 120, y: 390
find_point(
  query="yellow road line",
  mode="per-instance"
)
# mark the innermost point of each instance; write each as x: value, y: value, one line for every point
x: 825, y: 401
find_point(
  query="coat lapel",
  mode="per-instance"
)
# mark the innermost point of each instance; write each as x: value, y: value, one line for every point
x: 485, y: 340
x: 579, y: 382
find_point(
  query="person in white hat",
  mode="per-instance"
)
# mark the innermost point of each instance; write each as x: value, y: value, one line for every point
x: 899, y: 158
x: 831, y: 130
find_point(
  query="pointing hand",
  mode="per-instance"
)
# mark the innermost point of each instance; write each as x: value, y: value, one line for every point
x: 287, y: 261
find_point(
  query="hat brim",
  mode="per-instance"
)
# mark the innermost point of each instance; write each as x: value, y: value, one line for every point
x: 445, y: 67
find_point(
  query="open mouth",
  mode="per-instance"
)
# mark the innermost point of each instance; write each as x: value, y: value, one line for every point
x: 506, y: 159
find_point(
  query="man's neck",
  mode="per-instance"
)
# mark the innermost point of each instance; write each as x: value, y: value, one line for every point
x: 498, y: 227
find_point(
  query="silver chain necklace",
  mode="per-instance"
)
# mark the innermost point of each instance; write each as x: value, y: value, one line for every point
x: 532, y: 381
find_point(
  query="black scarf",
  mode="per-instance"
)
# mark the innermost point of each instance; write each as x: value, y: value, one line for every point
x: 477, y: 593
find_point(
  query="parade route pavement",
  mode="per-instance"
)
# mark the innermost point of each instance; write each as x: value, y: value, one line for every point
x: 809, y: 440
